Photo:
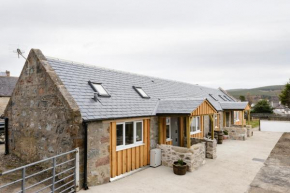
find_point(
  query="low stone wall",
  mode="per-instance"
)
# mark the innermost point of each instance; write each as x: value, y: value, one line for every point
x: 237, y: 133
x: 194, y: 156
x: 210, y: 146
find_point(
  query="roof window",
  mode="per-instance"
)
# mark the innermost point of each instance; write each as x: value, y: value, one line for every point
x: 227, y: 98
x: 222, y: 98
x: 98, y: 87
x: 212, y: 97
x: 141, y: 92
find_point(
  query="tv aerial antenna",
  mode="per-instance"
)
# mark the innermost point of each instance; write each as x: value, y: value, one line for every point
x: 18, y: 49
x: 20, y: 53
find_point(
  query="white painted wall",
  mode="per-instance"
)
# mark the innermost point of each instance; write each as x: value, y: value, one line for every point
x: 276, y: 126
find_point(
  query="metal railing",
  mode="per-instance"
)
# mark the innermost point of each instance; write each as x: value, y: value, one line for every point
x: 67, y: 184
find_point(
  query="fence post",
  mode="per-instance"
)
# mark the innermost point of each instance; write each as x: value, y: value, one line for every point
x: 77, y: 170
x: 53, y: 174
x: 23, y: 181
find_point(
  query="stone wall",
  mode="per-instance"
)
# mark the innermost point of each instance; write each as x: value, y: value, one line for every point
x: 44, y: 120
x: 221, y: 120
x: 193, y: 156
x: 210, y: 146
x: 3, y: 103
x: 153, y: 132
x: 98, y: 153
x: 206, y: 128
x: 237, y: 133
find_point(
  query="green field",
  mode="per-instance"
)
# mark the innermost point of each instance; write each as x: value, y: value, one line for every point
x: 270, y: 91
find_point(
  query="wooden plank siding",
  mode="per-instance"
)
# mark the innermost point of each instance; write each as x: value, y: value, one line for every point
x: 129, y: 159
x: 204, y: 109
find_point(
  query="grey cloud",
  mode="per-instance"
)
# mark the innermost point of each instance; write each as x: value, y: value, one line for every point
x: 216, y: 43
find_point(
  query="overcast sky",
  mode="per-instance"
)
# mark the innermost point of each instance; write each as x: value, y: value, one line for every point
x: 224, y: 43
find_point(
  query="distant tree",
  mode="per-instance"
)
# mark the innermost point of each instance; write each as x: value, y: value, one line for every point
x: 262, y: 106
x: 249, y: 98
x: 242, y: 98
x: 285, y: 95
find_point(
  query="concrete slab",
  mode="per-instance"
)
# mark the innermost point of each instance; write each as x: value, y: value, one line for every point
x: 232, y: 171
x: 274, y: 177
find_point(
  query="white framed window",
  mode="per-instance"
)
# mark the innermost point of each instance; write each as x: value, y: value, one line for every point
x: 98, y: 87
x: 141, y: 92
x: 168, y: 129
x: 216, y: 121
x: 138, y: 132
x: 237, y: 116
x: 129, y: 134
x: 195, y: 125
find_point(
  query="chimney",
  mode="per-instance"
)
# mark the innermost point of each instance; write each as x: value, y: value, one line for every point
x: 7, y: 73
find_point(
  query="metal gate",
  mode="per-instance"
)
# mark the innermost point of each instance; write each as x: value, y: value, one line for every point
x: 66, y: 180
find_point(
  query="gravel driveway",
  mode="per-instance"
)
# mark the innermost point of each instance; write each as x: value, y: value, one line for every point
x: 232, y: 171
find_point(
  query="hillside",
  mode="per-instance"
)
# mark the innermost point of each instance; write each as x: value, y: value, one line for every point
x: 266, y: 92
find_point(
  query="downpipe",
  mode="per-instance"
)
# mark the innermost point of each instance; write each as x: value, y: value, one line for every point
x: 85, y: 185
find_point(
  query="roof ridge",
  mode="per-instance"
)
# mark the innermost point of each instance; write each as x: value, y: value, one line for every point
x: 125, y: 72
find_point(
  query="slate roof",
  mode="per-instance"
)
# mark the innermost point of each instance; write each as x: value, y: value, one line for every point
x: 233, y: 105
x: 178, y: 106
x: 7, y: 84
x: 124, y: 101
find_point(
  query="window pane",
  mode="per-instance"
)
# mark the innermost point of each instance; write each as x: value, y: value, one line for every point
x: 139, y: 134
x: 100, y: 89
x: 193, y: 125
x: 197, y: 124
x: 140, y: 90
x: 120, y: 135
x: 167, y: 132
x: 129, y: 133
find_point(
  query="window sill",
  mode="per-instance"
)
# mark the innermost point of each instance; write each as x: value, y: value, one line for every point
x: 196, y: 132
x: 120, y: 148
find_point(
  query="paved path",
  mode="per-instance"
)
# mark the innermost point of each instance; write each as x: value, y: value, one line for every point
x: 274, y: 176
x: 232, y: 171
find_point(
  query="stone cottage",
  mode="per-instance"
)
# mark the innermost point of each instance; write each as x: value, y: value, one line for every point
x: 114, y: 117
x: 7, y: 84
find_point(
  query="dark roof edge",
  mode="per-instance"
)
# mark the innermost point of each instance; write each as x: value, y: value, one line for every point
x: 114, y: 118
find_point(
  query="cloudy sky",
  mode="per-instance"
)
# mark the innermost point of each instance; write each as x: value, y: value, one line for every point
x: 232, y: 44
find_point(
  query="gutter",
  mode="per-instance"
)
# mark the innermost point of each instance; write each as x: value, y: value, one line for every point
x: 85, y: 184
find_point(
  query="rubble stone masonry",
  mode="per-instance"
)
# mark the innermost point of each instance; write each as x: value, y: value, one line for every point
x: 44, y: 120
x: 194, y: 156
x: 98, y: 153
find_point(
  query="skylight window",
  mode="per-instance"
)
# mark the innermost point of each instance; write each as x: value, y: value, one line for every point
x: 141, y: 92
x: 227, y: 98
x: 222, y: 98
x: 213, y: 97
x: 98, y: 87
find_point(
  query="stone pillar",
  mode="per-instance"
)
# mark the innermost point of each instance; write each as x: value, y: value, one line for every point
x: 211, y: 149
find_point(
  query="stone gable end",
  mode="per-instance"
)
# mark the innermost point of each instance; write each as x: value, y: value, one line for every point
x: 44, y: 119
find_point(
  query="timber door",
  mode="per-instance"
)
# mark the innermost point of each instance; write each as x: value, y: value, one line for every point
x: 129, y: 145
x: 175, y: 131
